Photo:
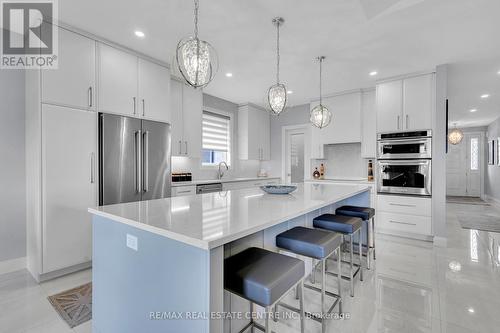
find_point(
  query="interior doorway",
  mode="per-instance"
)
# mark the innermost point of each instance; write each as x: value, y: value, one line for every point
x: 295, y: 139
x: 464, y: 166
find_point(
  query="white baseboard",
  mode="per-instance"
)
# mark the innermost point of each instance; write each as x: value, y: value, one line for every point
x: 492, y: 200
x: 12, y: 265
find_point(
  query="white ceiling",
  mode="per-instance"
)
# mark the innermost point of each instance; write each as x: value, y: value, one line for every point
x: 393, y: 37
x: 466, y: 83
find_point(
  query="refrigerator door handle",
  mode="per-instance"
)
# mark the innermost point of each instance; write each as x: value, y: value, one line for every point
x: 138, y: 162
x: 92, y: 168
x: 145, y: 166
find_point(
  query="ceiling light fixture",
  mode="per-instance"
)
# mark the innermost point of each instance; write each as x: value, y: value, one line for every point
x: 455, y: 136
x: 139, y: 34
x: 196, y: 58
x: 373, y: 73
x: 483, y: 96
x: 229, y: 74
x: 320, y: 115
x: 276, y: 95
x: 289, y: 92
x: 471, y: 310
x: 473, y: 110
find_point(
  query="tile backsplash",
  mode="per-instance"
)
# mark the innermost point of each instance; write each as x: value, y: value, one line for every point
x: 343, y: 161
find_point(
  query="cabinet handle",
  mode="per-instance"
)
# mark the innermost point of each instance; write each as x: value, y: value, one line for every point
x: 399, y: 222
x: 185, y: 191
x: 92, y: 170
x: 398, y: 121
x: 401, y: 205
x: 407, y: 119
x: 89, y: 94
x: 180, y: 147
x: 143, y: 107
x: 186, y: 147
x: 145, y: 166
x: 133, y: 98
x: 138, y: 162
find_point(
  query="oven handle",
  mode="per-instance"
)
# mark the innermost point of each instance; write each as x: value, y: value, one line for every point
x: 409, y: 140
x: 408, y: 162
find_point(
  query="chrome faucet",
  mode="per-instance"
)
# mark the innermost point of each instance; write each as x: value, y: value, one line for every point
x: 220, y: 173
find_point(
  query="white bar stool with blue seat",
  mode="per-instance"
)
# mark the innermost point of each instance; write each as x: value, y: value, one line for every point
x: 347, y: 226
x: 264, y: 277
x: 319, y: 245
x: 367, y: 214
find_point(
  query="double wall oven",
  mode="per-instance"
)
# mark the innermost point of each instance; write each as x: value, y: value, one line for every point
x: 405, y: 163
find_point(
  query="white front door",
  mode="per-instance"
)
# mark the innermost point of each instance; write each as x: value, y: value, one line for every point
x: 463, y: 166
x: 294, y: 156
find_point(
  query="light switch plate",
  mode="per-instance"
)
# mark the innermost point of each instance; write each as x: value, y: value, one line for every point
x: 132, y: 242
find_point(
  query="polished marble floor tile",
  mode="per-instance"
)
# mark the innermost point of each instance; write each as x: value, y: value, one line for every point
x: 414, y: 287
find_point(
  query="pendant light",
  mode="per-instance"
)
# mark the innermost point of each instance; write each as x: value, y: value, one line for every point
x: 276, y: 95
x: 196, y: 59
x: 320, y: 115
x: 455, y: 136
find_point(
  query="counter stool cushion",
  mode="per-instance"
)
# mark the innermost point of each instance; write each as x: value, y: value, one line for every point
x: 261, y: 276
x: 309, y: 242
x: 364, y: 213
x: 339, y: 223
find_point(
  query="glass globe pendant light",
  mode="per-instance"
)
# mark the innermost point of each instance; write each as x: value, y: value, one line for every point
x: 455, y: 136
x: 320, y: 115
x: 196, y: 59
x: 276, y: 95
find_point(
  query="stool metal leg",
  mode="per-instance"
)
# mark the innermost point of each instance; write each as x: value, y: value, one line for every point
x: 351, y: 270
x: 339, y: 278
x: 302, y: 313
x: 323, y: 289
x: 275, y: 311
x: 368, y: 243
x: 360, y: 248
x: 252, y: 312
x: 373, y: 238
x: 313, y: 273
x: 268, y: 312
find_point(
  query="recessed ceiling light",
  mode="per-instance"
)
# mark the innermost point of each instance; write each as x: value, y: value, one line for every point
x: 471, y: 310
x: 229, y: 74
x: 498, y: 72
x: 455, y: 266
x: 289, y: 92
x: 373, y: 73
x: 139, y: 34
x: 485, y: 96
x: 473, y: 110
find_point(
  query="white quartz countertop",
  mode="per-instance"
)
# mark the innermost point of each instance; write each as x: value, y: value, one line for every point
x: 213, y: 219
x: 223, y: 180
x: 342, y: 180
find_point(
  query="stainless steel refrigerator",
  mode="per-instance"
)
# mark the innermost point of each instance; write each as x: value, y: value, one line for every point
x: 134, y: 159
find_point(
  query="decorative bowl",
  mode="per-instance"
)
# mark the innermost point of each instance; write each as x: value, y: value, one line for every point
x: 278, y: 189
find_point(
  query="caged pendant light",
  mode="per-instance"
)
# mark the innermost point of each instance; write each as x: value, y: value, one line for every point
x: 196, y: 59
x: 320, y: 115
x: 455, y: 136
x: 276, y: 95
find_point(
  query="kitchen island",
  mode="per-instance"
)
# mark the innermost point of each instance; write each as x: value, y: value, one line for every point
x: 158, y: 264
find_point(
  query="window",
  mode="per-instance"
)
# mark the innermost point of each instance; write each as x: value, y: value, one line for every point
x: 474, y: 153
x: 216, y: 142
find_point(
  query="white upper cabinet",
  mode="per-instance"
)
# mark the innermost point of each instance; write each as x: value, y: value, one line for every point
x: 186, y: 105
x: 389, y: 106
x: 154, y: 91
x: 254, y: 133
x: 368, y: 125
x: 69, y: 183
x: 192, y: 107
x: 418, y: 97
x: 73, y: 83
x: 117, y: 81
x: 406, y: 104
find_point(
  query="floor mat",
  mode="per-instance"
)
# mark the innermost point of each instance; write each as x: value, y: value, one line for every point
x: 480, y: 222
x: 466, y: 201
x: 74, y: 305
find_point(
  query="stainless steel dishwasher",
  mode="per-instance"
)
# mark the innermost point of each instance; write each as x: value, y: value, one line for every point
x: 208, y: 188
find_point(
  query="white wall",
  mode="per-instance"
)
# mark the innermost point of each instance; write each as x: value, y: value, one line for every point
x: 296, y: 115
x: 238, y: 168
x: 343, y: 161
x: 12, y: 166
x: 492, y: 174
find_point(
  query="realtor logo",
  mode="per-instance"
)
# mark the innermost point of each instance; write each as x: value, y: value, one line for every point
x: 29, y: 39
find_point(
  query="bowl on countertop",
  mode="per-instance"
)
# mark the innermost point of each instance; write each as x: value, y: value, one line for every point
x: 278, y: 189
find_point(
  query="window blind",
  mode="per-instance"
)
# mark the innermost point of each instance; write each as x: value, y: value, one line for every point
x: 216, y: 131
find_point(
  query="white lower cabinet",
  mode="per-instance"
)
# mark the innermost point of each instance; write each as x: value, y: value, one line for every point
x: 407, y: 215
x: 69, y: 186
x: 247, y: 184
x: 179, y: 191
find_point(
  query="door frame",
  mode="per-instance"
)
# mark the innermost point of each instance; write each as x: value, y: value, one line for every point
x: 307, y: 154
